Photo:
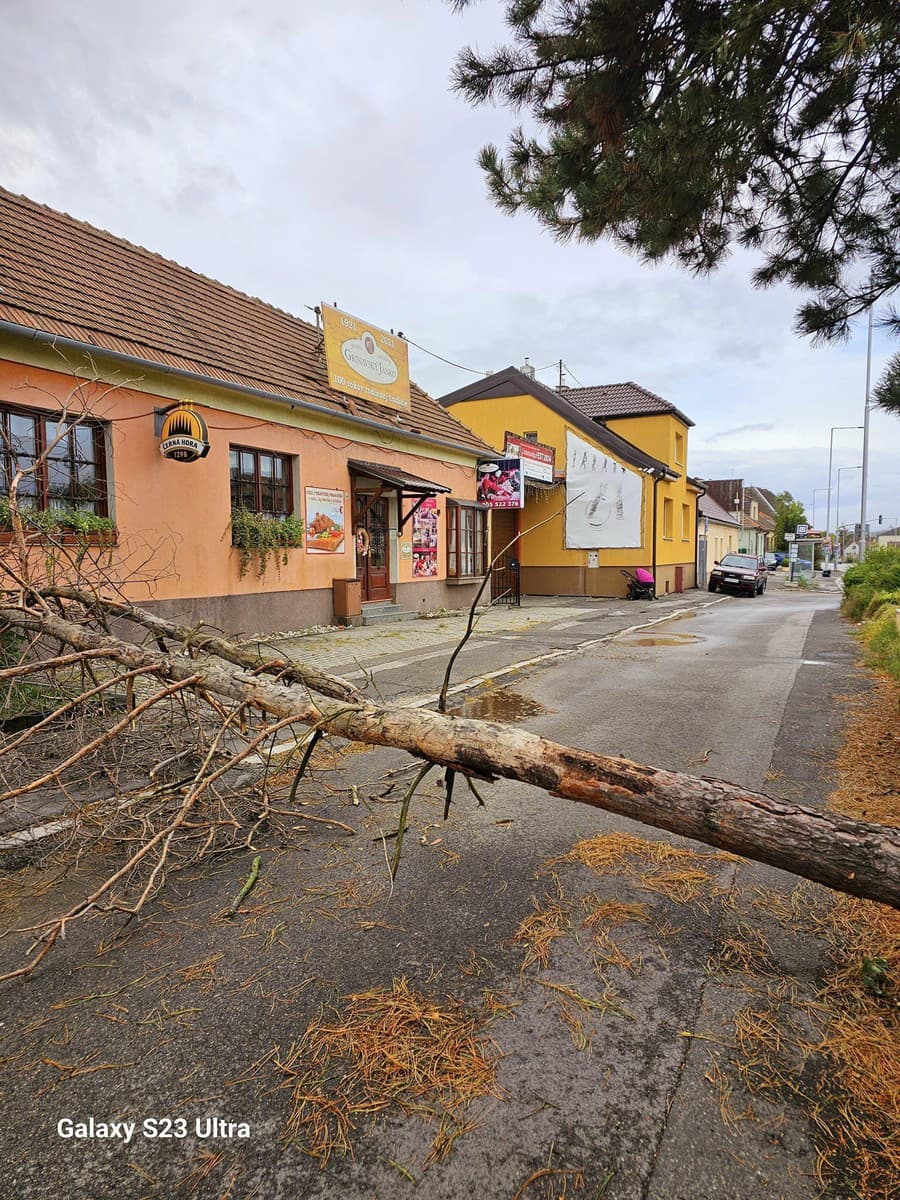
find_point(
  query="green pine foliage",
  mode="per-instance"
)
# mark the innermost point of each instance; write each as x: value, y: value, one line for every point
x: 262, y: 539
x: 680, y: 128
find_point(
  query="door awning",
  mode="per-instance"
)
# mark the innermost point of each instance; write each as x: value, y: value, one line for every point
x: 409, y: 485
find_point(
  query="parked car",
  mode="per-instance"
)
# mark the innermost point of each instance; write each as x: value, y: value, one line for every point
x: 739, y: 573
x: 774, y: 559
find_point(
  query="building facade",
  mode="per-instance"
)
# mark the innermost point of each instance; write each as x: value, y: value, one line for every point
x: 643, y: 504
x: 101, y: 340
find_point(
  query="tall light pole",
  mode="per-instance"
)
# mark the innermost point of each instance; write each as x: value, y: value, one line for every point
x: 837, y: 507
x: 865, y: 453
x: 815, y: 493
x: 830, y: 460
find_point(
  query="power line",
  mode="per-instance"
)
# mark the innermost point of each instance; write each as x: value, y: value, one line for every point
x: 440, y: 357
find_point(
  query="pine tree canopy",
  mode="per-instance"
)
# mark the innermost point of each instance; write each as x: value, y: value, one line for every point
x: 678, y: 128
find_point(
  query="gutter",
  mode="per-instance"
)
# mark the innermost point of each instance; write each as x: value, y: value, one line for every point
x: 131, y: 360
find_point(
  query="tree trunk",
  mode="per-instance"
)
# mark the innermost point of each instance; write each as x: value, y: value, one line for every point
x: 850, y: 856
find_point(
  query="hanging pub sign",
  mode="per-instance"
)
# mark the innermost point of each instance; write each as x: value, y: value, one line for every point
x: 184, y: 436
x: 365, y: 361
x: 500, y: 483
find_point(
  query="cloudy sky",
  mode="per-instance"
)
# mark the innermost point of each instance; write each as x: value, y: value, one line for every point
x: 303, y: 151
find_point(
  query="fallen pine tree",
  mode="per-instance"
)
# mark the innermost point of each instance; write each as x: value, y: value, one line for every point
x: 848, y: 855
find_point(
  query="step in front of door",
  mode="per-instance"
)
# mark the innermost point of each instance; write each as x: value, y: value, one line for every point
x: 383, y: 612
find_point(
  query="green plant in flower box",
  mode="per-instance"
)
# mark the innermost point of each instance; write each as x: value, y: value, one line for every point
x: 261, y: 538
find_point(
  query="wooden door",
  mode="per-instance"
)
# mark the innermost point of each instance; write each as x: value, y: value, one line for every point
x: 373, y: 568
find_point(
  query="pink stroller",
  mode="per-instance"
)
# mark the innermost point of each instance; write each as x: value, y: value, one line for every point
x: 641, y: 585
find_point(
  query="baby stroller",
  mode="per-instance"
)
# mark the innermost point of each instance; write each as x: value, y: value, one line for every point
x: 641, y: 585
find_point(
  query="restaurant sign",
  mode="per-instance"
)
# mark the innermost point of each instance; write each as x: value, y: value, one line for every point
x: 538, y: 461
x: 364, y: 361
x: 500, y: 483
x: 184, y: 436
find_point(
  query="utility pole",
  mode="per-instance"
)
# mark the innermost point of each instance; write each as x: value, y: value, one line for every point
x: 865, y: 453
x: 830, y: 461
x: 560, y: 388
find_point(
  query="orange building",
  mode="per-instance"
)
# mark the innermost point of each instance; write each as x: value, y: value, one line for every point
x: 115, y: 337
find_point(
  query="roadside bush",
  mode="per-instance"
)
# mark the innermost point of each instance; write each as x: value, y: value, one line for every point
x: 881, y: 639
x: 880, y: 573
x: 879, y: 600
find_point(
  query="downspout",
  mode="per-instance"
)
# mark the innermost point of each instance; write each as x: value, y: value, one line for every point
x: 701, y: 492
x: 656, y: 479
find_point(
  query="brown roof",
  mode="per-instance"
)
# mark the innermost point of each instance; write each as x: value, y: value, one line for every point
x: 68, y: 279
x: 712, y: 509
x: 513, y: 382
x: 607, y: 401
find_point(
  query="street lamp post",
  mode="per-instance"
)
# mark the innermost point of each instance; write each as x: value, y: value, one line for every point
x: 830, y: 460
x: 837, y: 507
x: 815, y: 493
x: 865, y: 453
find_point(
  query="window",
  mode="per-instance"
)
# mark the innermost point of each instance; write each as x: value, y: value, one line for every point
x: 668, y: 518
x: 685, y: 522
x: 73, y: 473
x: 466, y: 540
x: 261, y: 482
x: 679, y: 448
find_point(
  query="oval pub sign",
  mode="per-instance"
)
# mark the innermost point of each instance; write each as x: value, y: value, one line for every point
x: 184, y: 435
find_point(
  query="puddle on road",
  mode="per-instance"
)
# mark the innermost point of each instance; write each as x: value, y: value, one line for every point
x: 499, y: 704
x: 669, y: 639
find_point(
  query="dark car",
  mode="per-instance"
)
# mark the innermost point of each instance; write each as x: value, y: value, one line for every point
x: 774, y: 559
x: 739, y: 573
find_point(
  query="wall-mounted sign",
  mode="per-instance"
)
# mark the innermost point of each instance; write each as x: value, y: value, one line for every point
x: 538, y: 461
x: 425, y: 539
x: 364, y: 361
x: 500, y: 483
x: 184, y: 436
x: 603, y: 499
x: 325, y: 520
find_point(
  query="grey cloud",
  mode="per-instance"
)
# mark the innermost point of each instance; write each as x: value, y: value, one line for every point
x: 717, y: 437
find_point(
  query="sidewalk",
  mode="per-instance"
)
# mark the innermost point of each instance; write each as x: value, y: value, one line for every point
x: 347, y: 648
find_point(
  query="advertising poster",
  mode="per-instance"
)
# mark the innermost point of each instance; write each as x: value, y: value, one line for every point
x: 500, y: 483
x: 365, y: 361
x: 538, y: 460
x: 325, y: 520
x: 425, y: 539
x: 603, y: 500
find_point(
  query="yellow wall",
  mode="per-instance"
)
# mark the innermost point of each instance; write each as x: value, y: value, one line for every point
x: 544, y: 549
x: 656, y: 435
x: 721, y: 540
x: 545, y: 546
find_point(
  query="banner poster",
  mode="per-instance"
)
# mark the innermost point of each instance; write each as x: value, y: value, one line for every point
x: 365, y: 361
x: 500, y: 483
x: 324, y: 521
x: 425, y: 539
x: 603, y: 499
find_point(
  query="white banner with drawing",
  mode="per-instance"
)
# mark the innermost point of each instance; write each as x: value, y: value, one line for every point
x: 603, y: 499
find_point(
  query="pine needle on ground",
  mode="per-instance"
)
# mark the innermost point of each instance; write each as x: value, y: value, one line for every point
x: 384, y: 1048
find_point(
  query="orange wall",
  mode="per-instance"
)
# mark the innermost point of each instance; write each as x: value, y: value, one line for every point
x: 180, y: 511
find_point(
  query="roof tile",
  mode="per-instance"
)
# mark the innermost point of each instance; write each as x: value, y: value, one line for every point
x: 66, y: 278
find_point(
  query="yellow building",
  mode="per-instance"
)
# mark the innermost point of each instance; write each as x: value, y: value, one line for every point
x: 621, y: 451
x: 719, y: 534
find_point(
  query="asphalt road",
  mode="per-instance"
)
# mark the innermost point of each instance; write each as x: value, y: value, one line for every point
x: 744, y: 689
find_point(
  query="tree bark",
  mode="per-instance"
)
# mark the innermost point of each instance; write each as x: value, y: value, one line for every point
x: 851, y: 856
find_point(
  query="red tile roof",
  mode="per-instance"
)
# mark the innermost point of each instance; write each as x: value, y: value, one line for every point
x: 68, y: 279
x: 607, y: 401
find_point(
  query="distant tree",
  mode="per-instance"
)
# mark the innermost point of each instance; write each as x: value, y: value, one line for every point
x: 677, y: 128
x: 789, y: 513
